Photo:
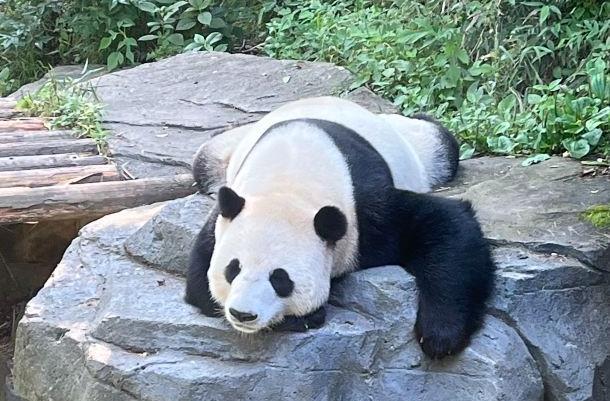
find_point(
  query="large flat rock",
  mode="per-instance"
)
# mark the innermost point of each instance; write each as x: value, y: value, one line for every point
x: 552, y: 293
x: 539, y: 206
x: 159, y: 113
x: 107, y: 327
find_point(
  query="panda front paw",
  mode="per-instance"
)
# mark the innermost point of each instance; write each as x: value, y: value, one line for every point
x: 439, y: 338
x: 301, y: 324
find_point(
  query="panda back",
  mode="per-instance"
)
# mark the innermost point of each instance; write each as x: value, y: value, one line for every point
x: 408, y: 171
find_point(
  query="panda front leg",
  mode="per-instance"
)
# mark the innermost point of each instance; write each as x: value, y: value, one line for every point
x: 443, y: 246
x: 197, y: 284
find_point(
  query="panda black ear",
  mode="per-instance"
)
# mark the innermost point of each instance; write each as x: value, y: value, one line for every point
x: 229, y: 203
x: 330, y: 224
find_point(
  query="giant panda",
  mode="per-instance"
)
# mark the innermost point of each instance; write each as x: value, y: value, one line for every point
x: 321, y: 187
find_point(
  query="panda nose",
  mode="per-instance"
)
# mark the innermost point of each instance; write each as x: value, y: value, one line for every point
x: 242, y: 316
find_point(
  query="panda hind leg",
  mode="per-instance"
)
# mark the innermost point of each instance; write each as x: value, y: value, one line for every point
x: 441, y: 243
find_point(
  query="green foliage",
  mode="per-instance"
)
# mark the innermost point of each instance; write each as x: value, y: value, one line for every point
x: 507, y: 76
x: 35, y: 34
x: 598, y: 215
x: 70, y: 104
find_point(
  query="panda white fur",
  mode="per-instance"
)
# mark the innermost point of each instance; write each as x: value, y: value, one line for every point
x: 321, y: 187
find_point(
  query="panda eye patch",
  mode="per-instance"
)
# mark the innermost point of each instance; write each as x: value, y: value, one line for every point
x: 281, y: 283
x: 232, y: 270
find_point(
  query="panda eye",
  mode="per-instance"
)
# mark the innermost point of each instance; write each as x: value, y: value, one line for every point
x: 281, y: 283
x: 232, y: 270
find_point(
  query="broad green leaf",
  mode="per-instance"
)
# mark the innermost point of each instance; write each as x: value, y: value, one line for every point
x: 592, y: 137
x: 126, y: 23
x: 4, y: 74
x: 129, y: 55
x: 205, y: 18
x: 466, y: 151
x: 176, y: 39
x: 532, y: 98
x: 502, y: 127
x: 593, y: 123
x: 577, y: 148
x: 507, y: 104
x: 217, y: 23
x: 473, y: 94
x: 544, y: 14
x: 388, y: 72
x: 147, y: 37
x: 113, y: 60
x: 535, y: 159
x: 500, y: 144
x: 598, y: 85
x: 221, y: 48
x: 522, y: 138
x: 199, y: 39
x: 556, y: 11
x: 479, y: 69
x: 105, y: 42
x: 192, y: 47
x: 147, y: 7
x: 213, y: 38
x: 177, y: 5
x: 185, y: 24
x: 463, y: 56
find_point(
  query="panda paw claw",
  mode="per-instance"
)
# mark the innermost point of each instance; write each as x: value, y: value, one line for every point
x: 439, y: 340
x: 301, y: 324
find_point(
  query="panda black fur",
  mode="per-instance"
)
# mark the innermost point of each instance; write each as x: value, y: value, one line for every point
x: 321, y: 187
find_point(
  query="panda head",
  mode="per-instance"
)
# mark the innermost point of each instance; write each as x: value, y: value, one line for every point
x: 272, y: 258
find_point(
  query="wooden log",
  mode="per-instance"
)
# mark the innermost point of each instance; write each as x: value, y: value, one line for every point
x: 25, y: 124
x: 53, y: 147
x: 76, y: 201
x: 59, y: 175
x: 29, y: 136
x: 47, y: 161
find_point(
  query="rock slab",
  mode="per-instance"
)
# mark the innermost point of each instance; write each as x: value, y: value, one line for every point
x: 107, y: 327
x: 160, y: 113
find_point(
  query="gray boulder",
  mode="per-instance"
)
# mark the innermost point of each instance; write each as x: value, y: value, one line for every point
x: 539, y: 206
x: 107, y: 327
x: 160, y: 113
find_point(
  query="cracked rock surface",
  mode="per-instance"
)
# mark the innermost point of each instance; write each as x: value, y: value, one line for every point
x: 111, y: 324
x: 159, y: 113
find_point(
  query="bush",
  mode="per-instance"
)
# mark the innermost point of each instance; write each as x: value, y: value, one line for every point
x: 39, y: 33
x: 507, y: 76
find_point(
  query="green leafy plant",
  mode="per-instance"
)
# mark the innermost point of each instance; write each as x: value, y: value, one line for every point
x: 36, y: 34
x: 507, y: 76
x: 69, y: 104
